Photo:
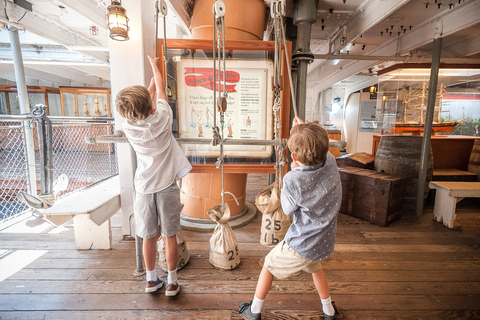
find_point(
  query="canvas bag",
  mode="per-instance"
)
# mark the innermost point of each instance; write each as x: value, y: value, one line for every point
x: 275, y: 223
x: 223, y: 243
x: 182, y: 252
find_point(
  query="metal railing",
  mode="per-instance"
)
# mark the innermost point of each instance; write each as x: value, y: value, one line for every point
x: 83, y: 163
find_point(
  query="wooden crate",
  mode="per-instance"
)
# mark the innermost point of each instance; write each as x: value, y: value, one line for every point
x: 359, y: 160
x: 371, y: 196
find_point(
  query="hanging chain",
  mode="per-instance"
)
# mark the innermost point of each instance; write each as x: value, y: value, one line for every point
x: 277, y: 87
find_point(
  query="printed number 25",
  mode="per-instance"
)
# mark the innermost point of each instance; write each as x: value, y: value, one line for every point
x: 276, y: 225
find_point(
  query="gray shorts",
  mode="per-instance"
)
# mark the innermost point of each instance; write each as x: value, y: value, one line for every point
x: 161, y: 208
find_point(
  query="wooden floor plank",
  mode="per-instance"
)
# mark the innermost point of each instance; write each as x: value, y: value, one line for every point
x: 226, y: 286
x: 374, y: 273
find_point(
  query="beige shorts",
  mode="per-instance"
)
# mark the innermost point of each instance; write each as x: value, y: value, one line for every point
x: 282, y: 261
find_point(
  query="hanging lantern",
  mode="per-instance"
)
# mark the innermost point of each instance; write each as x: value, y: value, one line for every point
x: 117, y: 21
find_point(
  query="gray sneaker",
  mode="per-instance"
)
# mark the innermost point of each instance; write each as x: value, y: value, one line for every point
x: 246, y: 312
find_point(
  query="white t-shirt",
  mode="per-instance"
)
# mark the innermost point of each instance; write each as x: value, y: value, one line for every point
x: 160, y: 160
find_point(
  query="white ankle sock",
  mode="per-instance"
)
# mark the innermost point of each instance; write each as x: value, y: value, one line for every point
x: 172, y: 276
x: 328, y: 307
x: 257, y: 305
x: 152, y: 275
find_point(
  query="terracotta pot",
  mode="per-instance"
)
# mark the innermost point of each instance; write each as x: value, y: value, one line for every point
x: 201, y: 191
x: 244, y: 19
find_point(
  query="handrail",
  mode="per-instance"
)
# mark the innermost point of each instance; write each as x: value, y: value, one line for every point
x: 22, y: 117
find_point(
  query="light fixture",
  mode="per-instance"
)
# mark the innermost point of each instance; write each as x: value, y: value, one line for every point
x: 117, y: 21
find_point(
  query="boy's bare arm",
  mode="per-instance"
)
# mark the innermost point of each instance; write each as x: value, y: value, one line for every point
x: 152, y: 89
x: 159, y: 84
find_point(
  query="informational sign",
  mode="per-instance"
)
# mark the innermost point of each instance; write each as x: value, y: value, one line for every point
x: 368, y: 122
x: 249, y: 105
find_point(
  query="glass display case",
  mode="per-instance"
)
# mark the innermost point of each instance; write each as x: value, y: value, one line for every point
x: 403, y: 94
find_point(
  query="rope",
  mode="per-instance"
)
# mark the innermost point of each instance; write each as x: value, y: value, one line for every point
x: 219, y: 54
x: 163, y: 5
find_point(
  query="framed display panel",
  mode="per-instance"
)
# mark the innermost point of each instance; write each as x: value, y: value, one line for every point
x: 249, y: 114
x: 90, y: 102
x: 37, y: 94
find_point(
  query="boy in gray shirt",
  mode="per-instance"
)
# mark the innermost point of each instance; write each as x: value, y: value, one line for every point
x: 312, y: 194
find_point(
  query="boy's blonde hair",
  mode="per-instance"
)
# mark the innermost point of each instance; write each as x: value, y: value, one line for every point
x: 134, y: 103
x: 309, y: 143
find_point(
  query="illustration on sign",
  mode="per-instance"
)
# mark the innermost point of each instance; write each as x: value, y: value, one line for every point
x: 249, y: 105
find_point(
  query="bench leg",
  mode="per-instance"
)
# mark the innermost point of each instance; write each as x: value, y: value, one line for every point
x: 88, y: 233
x: 444, y: 209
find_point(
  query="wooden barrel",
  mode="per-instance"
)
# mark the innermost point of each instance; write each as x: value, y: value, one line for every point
x: 400, y: 156
x: 244, y: 20
x: 474, y: 161
x: 202, y: 191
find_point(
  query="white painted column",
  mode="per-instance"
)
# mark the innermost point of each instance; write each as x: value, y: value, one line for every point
x: 24, y: 109
x: 129, y: 66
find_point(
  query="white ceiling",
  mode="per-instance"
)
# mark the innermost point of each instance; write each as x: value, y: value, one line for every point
x: 60, y: 49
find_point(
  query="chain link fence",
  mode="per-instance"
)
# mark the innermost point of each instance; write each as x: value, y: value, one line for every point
x: 82, y: 163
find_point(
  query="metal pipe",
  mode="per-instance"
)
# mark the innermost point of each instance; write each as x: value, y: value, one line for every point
x: 330, y: 56
x: 304, y: 16
x: 427, y: 130
x: 24, y: 109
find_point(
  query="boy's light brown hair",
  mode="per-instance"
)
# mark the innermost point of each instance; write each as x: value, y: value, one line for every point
x: 309, y: 143
x: 134, y: 103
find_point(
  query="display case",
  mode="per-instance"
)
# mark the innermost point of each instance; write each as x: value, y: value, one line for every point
x: 48, y: 96
x: 63, y: 101
x: 403, y: 94
x: 249, y: 115
x: 85, y: 102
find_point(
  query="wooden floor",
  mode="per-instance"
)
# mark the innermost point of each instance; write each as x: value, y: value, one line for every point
x: 412, y: 269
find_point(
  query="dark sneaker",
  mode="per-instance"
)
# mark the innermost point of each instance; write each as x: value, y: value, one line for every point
x: 334, y: 317
x: 153, y: 286
x: 246, y: 312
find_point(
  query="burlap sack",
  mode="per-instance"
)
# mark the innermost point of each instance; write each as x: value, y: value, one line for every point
x: 182, y: 252
x: 223, y: 243
x: 275, y: 223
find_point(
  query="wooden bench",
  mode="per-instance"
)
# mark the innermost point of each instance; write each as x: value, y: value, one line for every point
x: 446, y: 198
x: 453, y: 175
x: 91, y: 209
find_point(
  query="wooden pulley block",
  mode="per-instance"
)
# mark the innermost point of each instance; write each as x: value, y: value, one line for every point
x: 222, y: 104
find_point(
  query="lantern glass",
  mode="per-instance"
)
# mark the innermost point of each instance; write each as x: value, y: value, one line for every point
x: 117, y: 21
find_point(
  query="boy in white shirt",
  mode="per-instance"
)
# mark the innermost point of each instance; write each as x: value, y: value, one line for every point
x: 160, y: 163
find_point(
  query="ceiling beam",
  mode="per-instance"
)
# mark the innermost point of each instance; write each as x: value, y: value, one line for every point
x: 100, y: 72
x: 364, y: 19
x: 36, y: 74
x: 89, y: 10
x: 35, y: 23
x: 463, y: 17
x: 69, y: 73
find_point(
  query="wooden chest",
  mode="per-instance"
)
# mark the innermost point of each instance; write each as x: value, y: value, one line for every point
x: 359, y: 160
x: 371, y: 196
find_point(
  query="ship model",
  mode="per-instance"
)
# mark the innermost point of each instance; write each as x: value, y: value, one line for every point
x: 414, y: 109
